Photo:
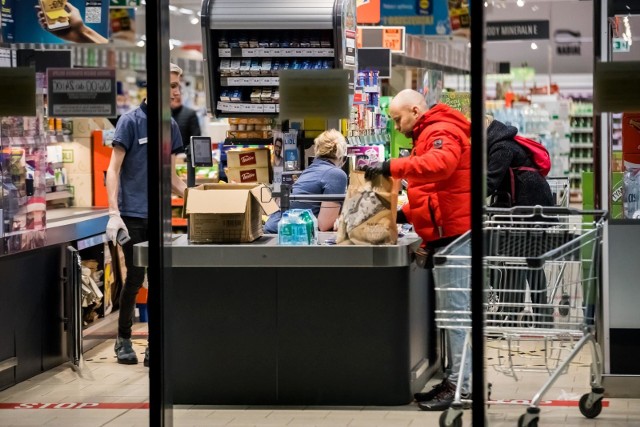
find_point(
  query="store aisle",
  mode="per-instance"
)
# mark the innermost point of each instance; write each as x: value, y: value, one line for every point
x: 104, y: 393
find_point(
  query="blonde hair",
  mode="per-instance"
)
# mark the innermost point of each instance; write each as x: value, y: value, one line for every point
x: 173, y: 68
x: 330, y: 144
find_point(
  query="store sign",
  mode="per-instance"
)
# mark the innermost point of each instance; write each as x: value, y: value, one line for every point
x: 81, y: 92
x: 387, y: 37
x: 368, y: 11
x: 568, y: 42
x: 420, y: 17
x: 621, y: 45
x: 517, y: 30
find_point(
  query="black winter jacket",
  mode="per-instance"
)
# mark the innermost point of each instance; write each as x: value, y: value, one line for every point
x: 188, y: 123
x: 504, y: 152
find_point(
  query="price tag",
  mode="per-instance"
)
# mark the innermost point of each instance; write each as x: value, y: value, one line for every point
x: 224, y: 53
x: 270, y: 108
x: 248, y: 52
x: 298, y: 52
x: 393, y: 38
x: 223, y: 106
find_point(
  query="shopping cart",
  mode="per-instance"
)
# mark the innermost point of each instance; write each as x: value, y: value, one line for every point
x: 542, y: 284
x: 560, y: 189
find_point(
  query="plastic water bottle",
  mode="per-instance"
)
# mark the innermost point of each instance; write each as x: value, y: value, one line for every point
x: 631, y: 192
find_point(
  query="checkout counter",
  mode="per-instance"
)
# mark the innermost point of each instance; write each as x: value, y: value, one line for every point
x: 40, y: 314
x: 262, y: 324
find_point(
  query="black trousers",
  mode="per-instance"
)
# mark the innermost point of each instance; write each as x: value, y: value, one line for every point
x: 138, y: 230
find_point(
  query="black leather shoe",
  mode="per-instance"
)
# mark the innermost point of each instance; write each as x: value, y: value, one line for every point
x: 428, y: 395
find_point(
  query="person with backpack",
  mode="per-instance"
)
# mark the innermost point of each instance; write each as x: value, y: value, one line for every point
x: 516, y: 170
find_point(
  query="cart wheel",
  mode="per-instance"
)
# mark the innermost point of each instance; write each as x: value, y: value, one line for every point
x: 457, y: 422
x: 565, y: 302
x: 593, y: 411
x: 532, y: 423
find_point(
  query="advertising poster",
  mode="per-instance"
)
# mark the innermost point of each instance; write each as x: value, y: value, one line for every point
x: 420, y: 17
x: 459, y: 18
x: 81, y: 92
x: 432, y: 85
x: 55, y: 21
x: 122, y: 23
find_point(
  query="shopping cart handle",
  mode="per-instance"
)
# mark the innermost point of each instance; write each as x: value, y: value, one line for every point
x: 545, y: 210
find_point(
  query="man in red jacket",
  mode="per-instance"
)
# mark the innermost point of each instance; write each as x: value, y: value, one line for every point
x: 438, y: 173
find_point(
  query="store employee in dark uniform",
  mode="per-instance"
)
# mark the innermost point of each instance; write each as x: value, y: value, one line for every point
x: 128, y: 209
x: 323, y: 176
x: 186, y: 117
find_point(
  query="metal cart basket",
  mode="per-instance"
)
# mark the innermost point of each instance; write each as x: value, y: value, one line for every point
x: 542, y: 269
x: 560, y: 189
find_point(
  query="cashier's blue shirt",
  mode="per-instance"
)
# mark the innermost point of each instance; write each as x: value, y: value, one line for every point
x: 131, y: 134
x: 321, y: 177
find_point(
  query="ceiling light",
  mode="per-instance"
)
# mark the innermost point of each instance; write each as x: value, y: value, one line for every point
x: 195, y: 20
x: 140, y: 43
x: 534, y: 8
x: 486, y: 4
x: 520, y: 3
x: 534, y: 46
x: 173, y: 8
x: 185, y: 11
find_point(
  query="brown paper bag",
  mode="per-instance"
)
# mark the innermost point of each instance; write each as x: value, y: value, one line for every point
x: 369, y: 212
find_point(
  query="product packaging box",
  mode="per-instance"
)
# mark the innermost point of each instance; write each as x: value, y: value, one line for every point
x: 366, y: 155
x: 631, y: 133
x: 254, y: 157
x: 227, y: 213
x: 248, y: 174
x: 290, y: 177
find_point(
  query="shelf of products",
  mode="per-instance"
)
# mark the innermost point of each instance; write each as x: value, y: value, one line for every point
x: 581, y: 143
x: 248, y: 63
x: 616, y: 131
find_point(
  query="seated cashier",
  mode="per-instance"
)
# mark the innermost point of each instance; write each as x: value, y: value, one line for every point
x: 323, y: 176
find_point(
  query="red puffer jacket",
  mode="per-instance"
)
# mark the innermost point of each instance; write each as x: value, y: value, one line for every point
x: 438, y: 173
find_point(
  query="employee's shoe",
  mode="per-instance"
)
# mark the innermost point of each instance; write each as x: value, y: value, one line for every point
x: 146, y: 357
x: 425, y: 396
x: 124, y: 351
x: 443, y: 400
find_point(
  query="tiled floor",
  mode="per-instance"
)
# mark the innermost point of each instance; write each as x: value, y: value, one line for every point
x: 103, y: 381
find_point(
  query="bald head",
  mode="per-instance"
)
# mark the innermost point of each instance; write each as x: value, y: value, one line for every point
x: 409, y: 98
x: 405, y: 110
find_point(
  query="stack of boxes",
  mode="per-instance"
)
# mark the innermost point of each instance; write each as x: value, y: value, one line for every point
x: 247, y: 165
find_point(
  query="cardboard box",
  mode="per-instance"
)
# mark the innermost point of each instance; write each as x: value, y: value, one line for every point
x: 248, y: 174
x: 242, y: 158
x: 630, y: 133
x: 227, y: 213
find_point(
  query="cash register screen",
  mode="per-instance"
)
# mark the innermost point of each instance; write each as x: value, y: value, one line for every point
x: 201, y: 151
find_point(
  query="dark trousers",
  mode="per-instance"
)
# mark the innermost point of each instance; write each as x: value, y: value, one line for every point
x: 138, y: 228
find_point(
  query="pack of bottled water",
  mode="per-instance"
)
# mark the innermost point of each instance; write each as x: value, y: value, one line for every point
x: 631, y: 191
x: 298, y: 227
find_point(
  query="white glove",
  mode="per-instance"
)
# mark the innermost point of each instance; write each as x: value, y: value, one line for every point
x: 113, y: 226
